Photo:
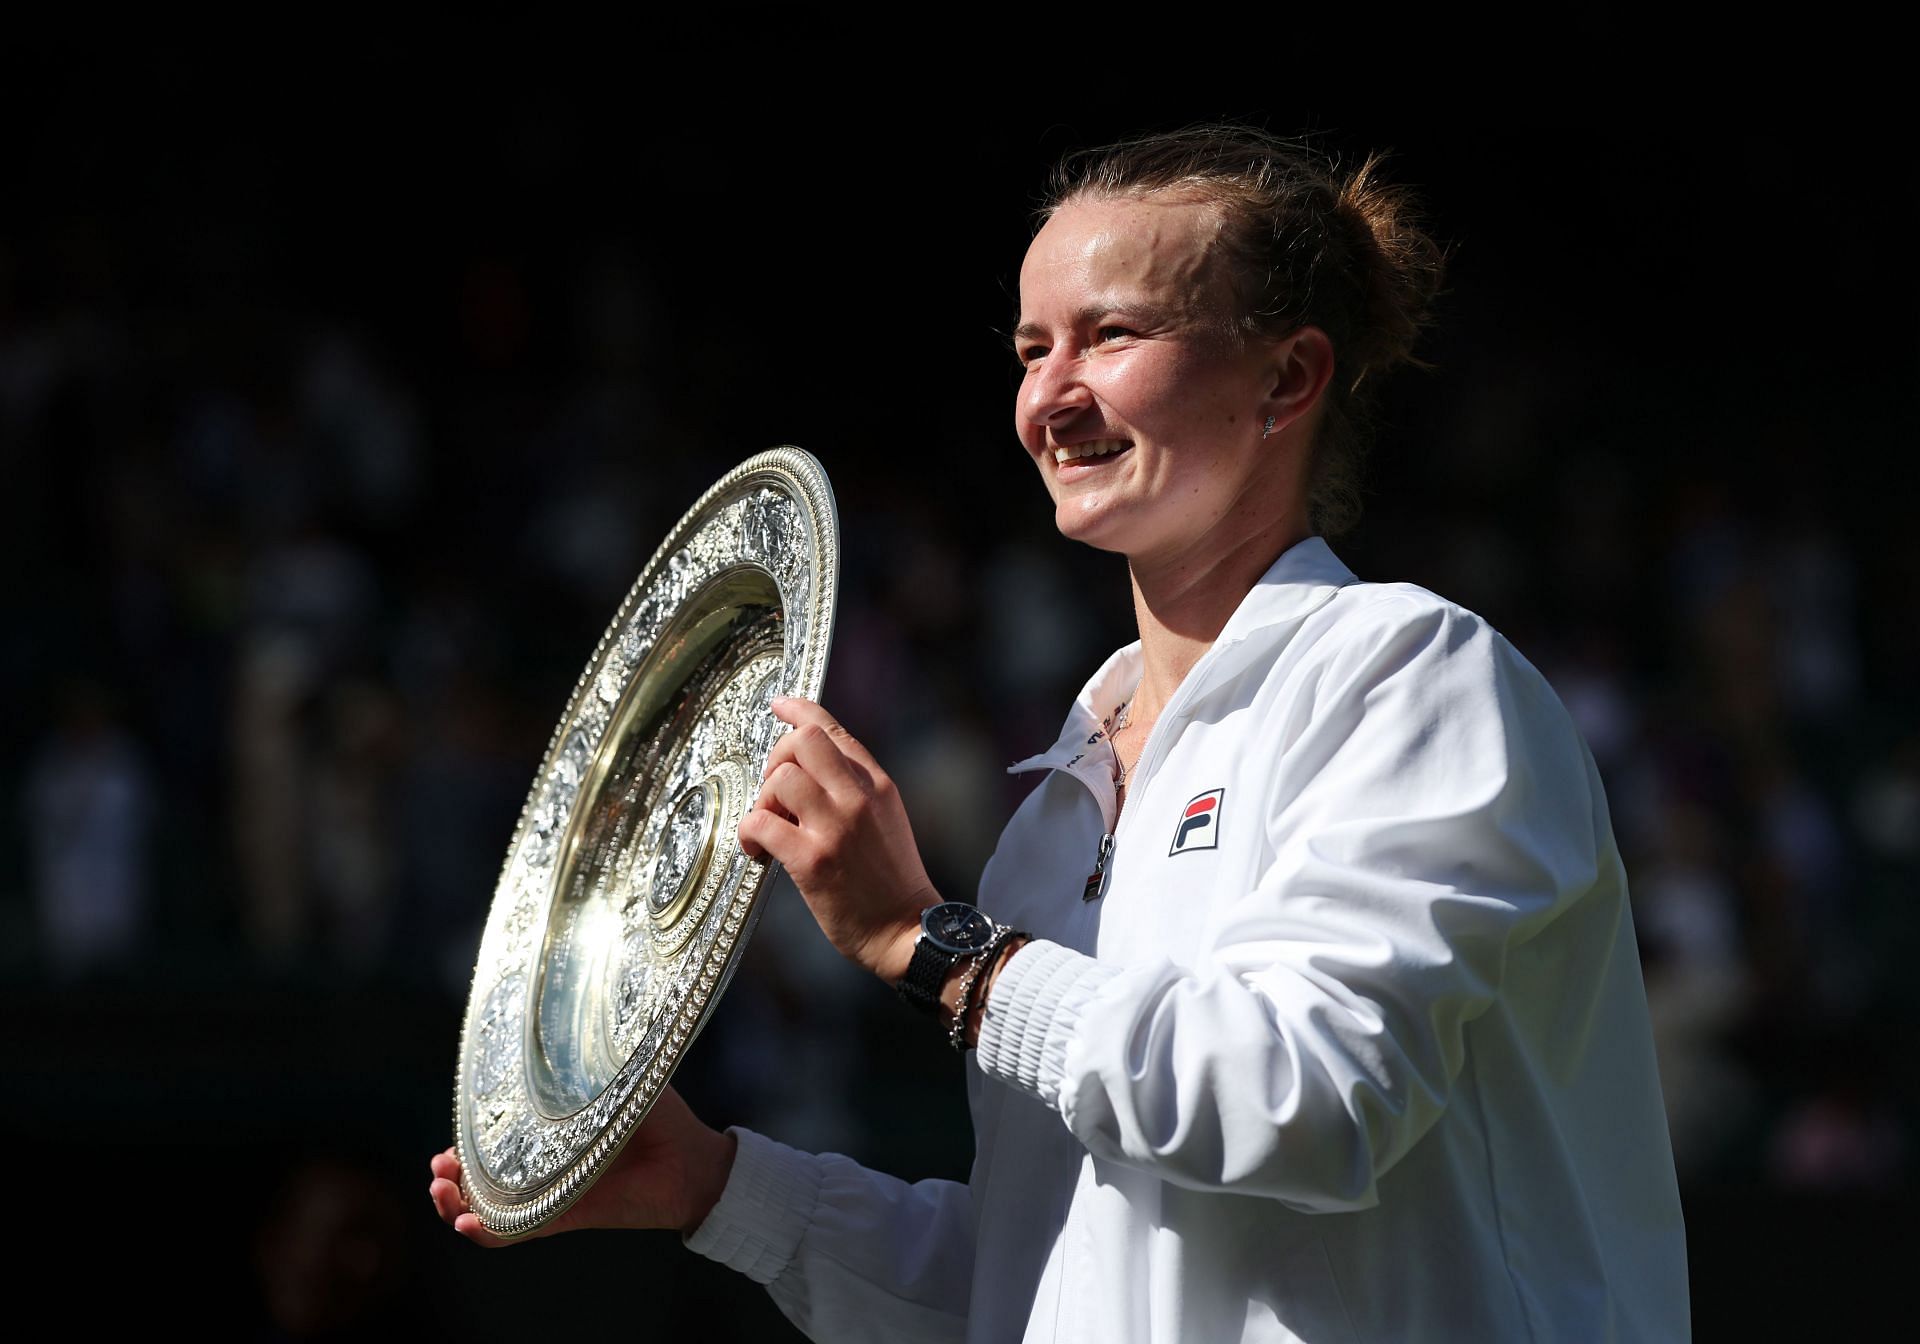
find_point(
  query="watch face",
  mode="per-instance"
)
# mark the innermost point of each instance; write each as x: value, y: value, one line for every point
x: 957, y: 927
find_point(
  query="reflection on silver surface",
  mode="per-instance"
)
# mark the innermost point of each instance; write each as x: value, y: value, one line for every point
x: 625, y: 900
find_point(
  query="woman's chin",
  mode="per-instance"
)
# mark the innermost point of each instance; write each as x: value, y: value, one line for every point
x: 1089, y: 528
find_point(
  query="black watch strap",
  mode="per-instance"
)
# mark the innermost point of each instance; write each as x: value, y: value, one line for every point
x: 926, y: 973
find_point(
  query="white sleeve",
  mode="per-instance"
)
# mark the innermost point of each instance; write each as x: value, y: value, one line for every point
x: 1436, y: 811
x: 846, y: 1253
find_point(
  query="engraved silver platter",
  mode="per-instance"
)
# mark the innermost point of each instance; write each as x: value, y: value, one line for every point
x: 625, y: 900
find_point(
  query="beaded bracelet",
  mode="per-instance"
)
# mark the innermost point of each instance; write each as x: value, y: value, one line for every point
x: 957, y: 1036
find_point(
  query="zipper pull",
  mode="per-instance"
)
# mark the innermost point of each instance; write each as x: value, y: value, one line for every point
x: 1097, y: 882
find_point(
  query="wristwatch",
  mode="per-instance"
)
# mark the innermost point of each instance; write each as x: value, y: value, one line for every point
x: 948, y: 932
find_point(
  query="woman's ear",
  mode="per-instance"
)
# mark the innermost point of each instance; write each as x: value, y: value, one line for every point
x: 1301, y: 369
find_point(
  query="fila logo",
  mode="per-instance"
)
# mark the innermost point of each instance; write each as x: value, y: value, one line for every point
x: 1199, y: 826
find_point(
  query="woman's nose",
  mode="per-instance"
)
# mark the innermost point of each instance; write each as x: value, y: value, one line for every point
x: 1054, y: 392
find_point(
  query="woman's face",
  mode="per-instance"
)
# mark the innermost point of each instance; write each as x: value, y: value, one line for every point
x: 1140, y: 410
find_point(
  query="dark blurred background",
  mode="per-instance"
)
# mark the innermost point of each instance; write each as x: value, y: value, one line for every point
x: 339, y: 405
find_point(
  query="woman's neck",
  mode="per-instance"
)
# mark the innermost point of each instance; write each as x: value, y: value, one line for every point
x: 1181, y: 607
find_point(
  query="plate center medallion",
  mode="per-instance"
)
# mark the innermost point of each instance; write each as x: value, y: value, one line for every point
x: 686, y: 847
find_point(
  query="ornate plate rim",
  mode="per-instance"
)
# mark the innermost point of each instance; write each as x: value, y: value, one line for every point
x: 597, y: 1131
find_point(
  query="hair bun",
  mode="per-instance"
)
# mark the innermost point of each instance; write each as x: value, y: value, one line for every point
x: 1398, y: 268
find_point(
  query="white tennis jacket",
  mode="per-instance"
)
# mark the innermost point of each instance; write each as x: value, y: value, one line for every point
x: 1347, y: 1043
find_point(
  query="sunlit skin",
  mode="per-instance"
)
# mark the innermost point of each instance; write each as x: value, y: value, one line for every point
x: 1123, y: 336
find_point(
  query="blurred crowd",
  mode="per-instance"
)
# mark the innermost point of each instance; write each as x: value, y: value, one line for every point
x: 290, y: 623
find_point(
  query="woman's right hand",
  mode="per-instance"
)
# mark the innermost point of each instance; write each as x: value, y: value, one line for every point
x: 670, y: 1174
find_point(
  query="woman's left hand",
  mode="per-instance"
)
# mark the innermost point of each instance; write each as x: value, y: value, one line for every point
x: 834, y: 819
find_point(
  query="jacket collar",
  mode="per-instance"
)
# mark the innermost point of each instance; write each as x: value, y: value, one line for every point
x: 1300, y: 582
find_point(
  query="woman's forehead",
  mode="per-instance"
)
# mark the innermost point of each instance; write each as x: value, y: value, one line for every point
x: 1147, y: 248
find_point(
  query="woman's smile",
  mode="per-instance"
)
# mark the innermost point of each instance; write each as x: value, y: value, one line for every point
x: 1072, y: 462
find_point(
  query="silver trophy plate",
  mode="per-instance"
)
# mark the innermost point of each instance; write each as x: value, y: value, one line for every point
x: 625, y: 900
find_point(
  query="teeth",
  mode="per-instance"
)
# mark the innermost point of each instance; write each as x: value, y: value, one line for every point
x: 1096, y: 448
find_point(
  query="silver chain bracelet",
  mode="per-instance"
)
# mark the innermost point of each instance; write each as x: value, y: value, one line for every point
x: 957, y: 1036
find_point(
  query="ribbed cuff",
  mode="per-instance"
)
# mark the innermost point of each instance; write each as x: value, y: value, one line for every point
x: 1032, y: 1013
x: 756, y: 1225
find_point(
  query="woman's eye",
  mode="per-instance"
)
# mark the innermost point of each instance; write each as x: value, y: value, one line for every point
x: 1030, y: 356
x: 1106, y: 334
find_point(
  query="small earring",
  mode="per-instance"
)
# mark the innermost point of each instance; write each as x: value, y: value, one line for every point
x: 1269, y: 429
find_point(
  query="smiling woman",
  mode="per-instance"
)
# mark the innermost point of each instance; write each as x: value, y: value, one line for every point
x: 1275, y: 240
x: 1144, y: 413
x: 1303, y: 985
